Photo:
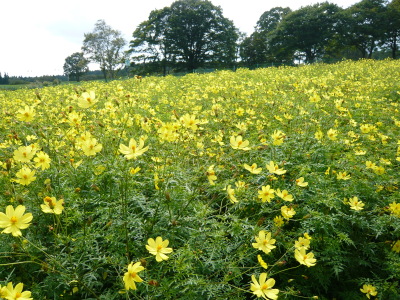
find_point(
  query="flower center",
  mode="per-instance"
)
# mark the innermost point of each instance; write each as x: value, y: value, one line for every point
x: 264, y: 286
x: 13, y: 219
x: 133, y: 274
x: 159, y: 247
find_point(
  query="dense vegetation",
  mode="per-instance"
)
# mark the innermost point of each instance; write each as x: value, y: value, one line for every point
x: 279, y: 181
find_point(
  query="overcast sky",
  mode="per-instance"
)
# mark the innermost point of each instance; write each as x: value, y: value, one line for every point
x: 37, y: 35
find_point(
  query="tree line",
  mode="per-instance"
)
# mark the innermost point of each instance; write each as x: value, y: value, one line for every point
x: 193, y: 34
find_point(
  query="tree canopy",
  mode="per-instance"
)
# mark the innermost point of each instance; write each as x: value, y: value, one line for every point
x: 76, y: 65
x: 105, y: 46
x: 190, y: 33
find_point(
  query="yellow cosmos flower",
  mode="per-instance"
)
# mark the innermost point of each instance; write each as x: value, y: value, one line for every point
x: 27, y: 114
x: 211, y: 175
x: 287, y: 212
x: 25, y: 176
x: 52, y: 206
x: 42, y: 160
x: 304, y: 258
x: 300, y: 182
x: 262, y: 262
x: 87, y: 99
x: 133, y: 150
x: 16, y: 293
x: 394, y: 208
x: 231, y: 194
x: 343, y: 176
x: 369, y: 290
x: 264, y: 242
x: 302, y: 243
x: 274, y: 168
x: 263, y: 287
x: 332, y: 134
x: 90, y: 147
x: 279, y: 221
x: 266, y: 193
x: 278, y: 136
x: 131, y: 276
x: 24, y: 154
x: 284, y: 195
x: 396, y: 246
x: 356, y: 204
x: 14, y: 220
x: 238, y: 143
x: 189, y: 121
x: 253, y: 168
x: 158, y: 247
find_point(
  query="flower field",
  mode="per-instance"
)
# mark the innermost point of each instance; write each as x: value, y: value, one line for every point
x: 278, y: 182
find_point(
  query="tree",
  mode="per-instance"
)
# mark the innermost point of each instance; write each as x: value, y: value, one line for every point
x: 150, y: 41
x: 362, y: 26
x: 308, y: 30
x: 105, y: 46
x: 76, y: 65
x: 190, y: 33
x: 259, y: 48
x: 391, y: 21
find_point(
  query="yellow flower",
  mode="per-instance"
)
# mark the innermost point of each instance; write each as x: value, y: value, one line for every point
x: 231, y: 194
x: 262, y: 262
x: 343, y: 176
x: 287, y: 212
x: 211, y: 175
x: 370, y: 165
x: 52, y: 206
x: 86, y: 100
x: 318, y: 135
x: 394, y: 208
x: 278, y: 137
x: 274, y: 168
x: 284, y: 195
x: 264, y: 242
x: 15, y: 220
x: 133, y: 150
x: 253, y: 168
x: 158, y: 248
x: 304, y: 258
x: 133, y: 171
x: 300, y: 182
x: 42, y: 160
x: 332, y: 134
x: 189, y: 121
x: 16, y: 293
x: 396, y: 247
x: 90, y: 147
x: 24, y: 154
x: 27, y: 114
x: 302, y: 243
x: 279, y: 221
x: 131, y: 276
x: 263, y: 288
x: 25, y: 176
x: 369, y: 290
x: 266, y: 193
x: 356, y: 204
x: 238, y: 143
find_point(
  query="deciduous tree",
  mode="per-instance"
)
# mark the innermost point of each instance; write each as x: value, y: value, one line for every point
x: 76, y: 65
x: 105, y: 46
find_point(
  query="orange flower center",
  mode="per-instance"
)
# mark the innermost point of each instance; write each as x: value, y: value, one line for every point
x: 13, y: 219
x: 159, y: 247
x: 17, y: 295
x: 133, y: 274
x: 264, y: 286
